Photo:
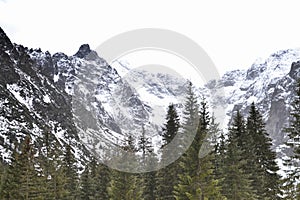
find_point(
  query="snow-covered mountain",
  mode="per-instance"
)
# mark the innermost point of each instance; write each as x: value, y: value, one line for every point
x: 269, y: 83
x: 85, y: 102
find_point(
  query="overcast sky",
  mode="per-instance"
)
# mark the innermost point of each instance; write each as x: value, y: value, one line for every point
x: 233, y: 33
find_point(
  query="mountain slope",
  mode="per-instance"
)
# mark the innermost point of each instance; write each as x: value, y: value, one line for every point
x: 85, y: 102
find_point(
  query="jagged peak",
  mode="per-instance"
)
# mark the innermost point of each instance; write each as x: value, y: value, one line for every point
x: 295, y: 70
x: 5, y: 43
x: 84, y: 50
x: 86, y: 53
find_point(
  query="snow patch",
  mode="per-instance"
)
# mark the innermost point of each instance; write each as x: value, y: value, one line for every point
x: 46, y: 99
x: 16, y: 91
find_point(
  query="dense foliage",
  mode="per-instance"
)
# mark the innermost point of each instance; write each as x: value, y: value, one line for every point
x: 237, y: 165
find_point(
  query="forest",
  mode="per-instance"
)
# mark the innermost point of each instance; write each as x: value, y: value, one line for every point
x: 241, y: 164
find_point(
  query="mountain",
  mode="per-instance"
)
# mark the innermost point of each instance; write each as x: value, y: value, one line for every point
x: 80, y: 99
x: 269, y: 82
x: 85, y: 102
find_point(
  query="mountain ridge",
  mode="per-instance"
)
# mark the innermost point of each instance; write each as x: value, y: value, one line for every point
x: 61, y: 91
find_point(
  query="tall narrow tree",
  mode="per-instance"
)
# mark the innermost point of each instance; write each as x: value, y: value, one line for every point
x: 167, y: 176
x: 149, y: 164
x: 236, y: 184
x: 70, y: 170
x: 292, y: 189
x: 125, y: 185
x: 197, y: 180
x: 265, y: 180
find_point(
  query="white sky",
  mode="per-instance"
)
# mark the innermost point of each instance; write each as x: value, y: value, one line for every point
x: 233, y: 33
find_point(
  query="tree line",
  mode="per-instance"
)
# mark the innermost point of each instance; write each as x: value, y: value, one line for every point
x: 216, y: 166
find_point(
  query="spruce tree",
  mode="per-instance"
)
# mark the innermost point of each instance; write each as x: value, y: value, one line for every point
x: 220, y: 154
x: 167, y: 176
x: 190, y: 116
x: 100, y: 175
x: 291, y: 188
x: 70, y: 170
x: 265, y: 180
x: 197, y: 180
x: 54, y: 179
x: 171, y: 126
x: 86, y: 184
x: 236, y: 182
x: 149, y: 163
x: 125, y: 185
x: 189, y: 128
x: 22, y: 180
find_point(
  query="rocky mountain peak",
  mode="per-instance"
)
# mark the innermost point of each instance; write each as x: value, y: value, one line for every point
x: 83, y: 51
x: 86, y: 53
x: 5, y: 43
x: 295, y: 70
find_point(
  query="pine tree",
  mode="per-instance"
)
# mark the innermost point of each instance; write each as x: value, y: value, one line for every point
x: 86, y: 184
x: 220, y: 154
x: 172, y: 125
x: 22, y: 180
x: 54, y: 179
x: 100, y: 175
x: 149, y: 163
x: 11, y: 180
x: 291, y: 188
x: 265, y: 180
x: 190, y: 119
x: 167, y: 176
x: 197, y: 180
x: 70, y: 170
x: 94, y: 181
x: 236, y: 183
x: 144, y: 146
x: 124, y: 185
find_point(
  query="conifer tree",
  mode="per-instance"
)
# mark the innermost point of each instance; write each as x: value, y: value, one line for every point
x: 197, y: 180
x: 220, y: 154
x: 291, y: 188
x: 100, y: 175
x: 94, y: 181
x: 86, y: 184
x: 53, y: 177
x: 190, y: 116
x: 149, y: 163
x: 167, y: 177
x: 265, y: 180
x: 70, y: 170
x: 125, y: 185
x: 236, y: 183
x: 22, y: 180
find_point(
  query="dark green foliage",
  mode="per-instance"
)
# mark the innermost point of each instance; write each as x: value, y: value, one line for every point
x: 22, y: 180
x: 190, y: 117
x: 149, y: 164
x: 100, y: 175
x: 172, y: 125
x: 167, y: 177
x: 197, y: 180
x: 125, y: 185
x: 291, y: 189
x: 249, y: 167
x: 54, y: 178
x: 265, y: 180
x: 94, y: 181
x: 70, y: 170
x: 236, y: 183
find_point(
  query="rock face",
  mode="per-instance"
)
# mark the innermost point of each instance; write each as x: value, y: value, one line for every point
x: 270, y: 83
x: 85, y: 102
